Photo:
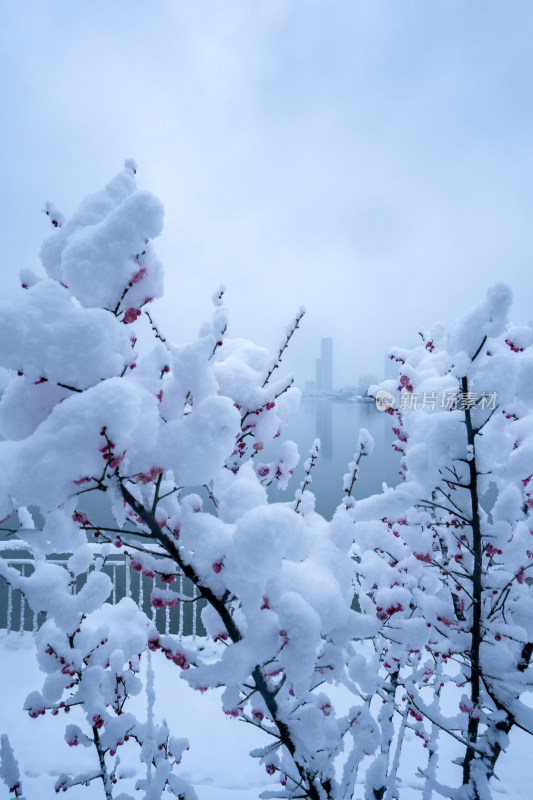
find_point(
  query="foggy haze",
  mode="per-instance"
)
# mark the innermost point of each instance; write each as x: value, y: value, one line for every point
x: 369, y: 160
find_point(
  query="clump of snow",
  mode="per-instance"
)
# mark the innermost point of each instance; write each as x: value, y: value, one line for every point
x: 9, y: 768
x: 75, y: 346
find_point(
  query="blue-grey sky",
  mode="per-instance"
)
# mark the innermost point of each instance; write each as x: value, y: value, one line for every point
x: 370, y: 159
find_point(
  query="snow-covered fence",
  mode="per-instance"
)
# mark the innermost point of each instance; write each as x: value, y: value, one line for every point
x: 182, y: 619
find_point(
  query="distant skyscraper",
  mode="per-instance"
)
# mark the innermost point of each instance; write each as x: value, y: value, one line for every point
x: 326, y: 364
x: 323, y: 369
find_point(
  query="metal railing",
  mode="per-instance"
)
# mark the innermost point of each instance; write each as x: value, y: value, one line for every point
x: 182, y: 619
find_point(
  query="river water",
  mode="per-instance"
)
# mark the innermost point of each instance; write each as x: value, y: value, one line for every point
x: 337, y: 426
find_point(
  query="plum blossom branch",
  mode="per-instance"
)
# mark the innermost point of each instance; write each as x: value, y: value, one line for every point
x: 290, y: 332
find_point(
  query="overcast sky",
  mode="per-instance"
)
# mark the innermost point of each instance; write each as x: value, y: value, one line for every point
x: 370, y: 160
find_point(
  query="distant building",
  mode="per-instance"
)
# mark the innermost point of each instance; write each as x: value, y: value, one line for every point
x: 323, y: 370
x: 324, y: 366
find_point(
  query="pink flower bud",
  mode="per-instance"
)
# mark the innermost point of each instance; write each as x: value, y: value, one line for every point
x: 139, y: 275
x: 180, y: 660
x: 81, y: 517
x: 131, y: 315
x: 425, y: 557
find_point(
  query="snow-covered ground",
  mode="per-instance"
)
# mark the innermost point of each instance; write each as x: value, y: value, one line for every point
x: 217, y: 763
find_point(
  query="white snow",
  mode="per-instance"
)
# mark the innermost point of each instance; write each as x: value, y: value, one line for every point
x: 217, y: 762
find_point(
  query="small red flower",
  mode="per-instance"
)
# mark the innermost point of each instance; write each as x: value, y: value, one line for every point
x: 131, y: 315
x: 139, y: 275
